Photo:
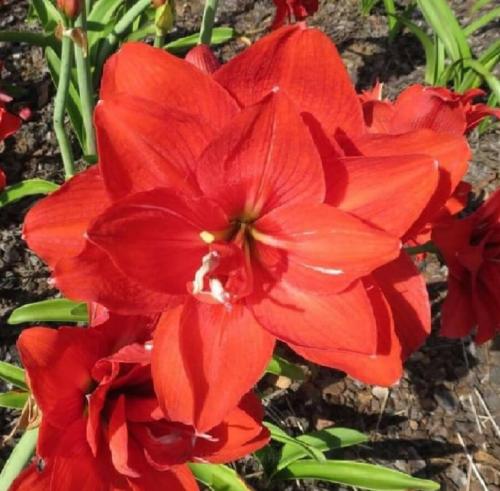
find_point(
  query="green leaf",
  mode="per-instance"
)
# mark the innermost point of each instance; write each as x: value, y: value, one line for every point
x: 30, y: 187
x: 19, y: 457
x: 478, y: 5
x: 490, y: 79
x: 488, y: 17
x: 323, y: 441
x: 14, y: 399
x: 367, y: 6
x: 443, y: 22
x: 73, y: 106
x: 279, y: 435
x: 280, y: 366
x: 143, y: 32
x: 56, y: 310
x: 12, y: 374
x: 219, y: 35
x: 489, y: 59
x: 427, y: 44
x: 357, y: 474
x: 48, y: 14
x: 218, y: 477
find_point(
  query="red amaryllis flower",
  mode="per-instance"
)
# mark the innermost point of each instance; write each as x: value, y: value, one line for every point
x: 102, y: 427
x: 248, y: 211
x: 471, y: 248
x: 436, y: 108
x: 288, y: 9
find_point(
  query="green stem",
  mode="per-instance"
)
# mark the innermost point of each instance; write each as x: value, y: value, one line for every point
x: 120, y: 28
x: 159, y: 41
x: 33, y: 38
x: 85, y: 87
x: 60, y: 106
x: 88, y: 5
x: 207, y: 23
x: 19, y: 457
x: 427, y: 247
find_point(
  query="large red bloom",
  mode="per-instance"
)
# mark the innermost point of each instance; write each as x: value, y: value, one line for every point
x: 102, y: 427
x: 268, y: 212
x: 471, y: 248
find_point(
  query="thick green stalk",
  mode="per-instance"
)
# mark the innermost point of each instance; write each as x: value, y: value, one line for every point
x: 60, y: 106
x: 420, y: 249
x: 19, y: 457
x: 207, y: 23
x: 85, y: 87
x: 113, y: 39
x: 159, y: 40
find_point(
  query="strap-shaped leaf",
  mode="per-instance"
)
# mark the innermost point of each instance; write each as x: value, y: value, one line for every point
x: 324, y: 440
x: 357, y: 474
x: 280, y: 366
x: 219, y: 35
x: 12, y: 374
x: 55, y: 310
x: 14, y: 399
x: 218, y: 477
x: 30, y: 187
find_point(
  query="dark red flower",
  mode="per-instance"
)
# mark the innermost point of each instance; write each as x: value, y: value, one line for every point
x: 286, y: 10
x: 71, y: 8
x: 102, y: 427
x: 255, y: 200
x: 471, y: 248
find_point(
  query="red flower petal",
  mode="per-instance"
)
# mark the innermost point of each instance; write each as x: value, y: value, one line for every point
x: 143, y: 146
x: 326, y: 240
x: 377, y: 189
x: 163, y: 79
x: 54, y: 228
x: 200, y: 349
x: 239, y: 434
x: 404, y: 288
x: 342, y: 321
x: 161, y: 233
x: 306, y: 65
x: 59, y: 363
x: 92, y: 277
x: 264, y: 159
x: 450, y: 151
x: 384, y: 366
x: 9, y: 124
x: 203, y: 58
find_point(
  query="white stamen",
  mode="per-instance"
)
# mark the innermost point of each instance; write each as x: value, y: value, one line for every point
x: 206, y: 436
x: 331, y: 271
x: 148, y: 346
x: 208, y: 263
x: 218, y: 292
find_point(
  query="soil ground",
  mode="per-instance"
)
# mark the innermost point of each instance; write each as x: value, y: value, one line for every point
x: 444, y: 413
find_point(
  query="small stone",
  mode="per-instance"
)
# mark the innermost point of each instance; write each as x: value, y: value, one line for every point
x: 322, y: 423
x: 413, y: 425
x: 283, y: 382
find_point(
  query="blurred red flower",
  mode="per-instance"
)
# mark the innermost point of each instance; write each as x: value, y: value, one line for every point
x: 260, y: 189
x: 471, y: 248
x: 102, y: 427
x: 288, y: 9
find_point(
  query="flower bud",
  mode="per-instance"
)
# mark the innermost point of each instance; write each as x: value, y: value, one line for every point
x: 158, y: 3
x: 71, y: 8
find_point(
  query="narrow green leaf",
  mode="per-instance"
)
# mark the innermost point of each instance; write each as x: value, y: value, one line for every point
x: 478, y: 5
x: 280, y: 366
x: 360, y: 475
x: 427, y: 44
x: 48, y: 14
x: 219, y: 35
x: 73, y: 106
x: 279, y: 435
x: 56, y: 310
x: 367, y: 6
x: 489, y: 58
x: 14, y: 399
x: 485, y: 19
x: 443, y: 22
x: 12, y: 374
x: 19, y: 457
x: 218, y: 477
x: 143, y: 32
x: 33, y: 38
x: 392, y: 20
x: 30, y: 187
x: 490, y: 79
x: 323, y: 441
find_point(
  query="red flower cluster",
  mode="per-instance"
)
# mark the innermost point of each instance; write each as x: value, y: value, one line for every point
x: 103, y: 427
x: 232, y: 206
x: 471, y: 248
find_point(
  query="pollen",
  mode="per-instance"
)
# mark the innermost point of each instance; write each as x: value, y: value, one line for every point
x: 207, y: 237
